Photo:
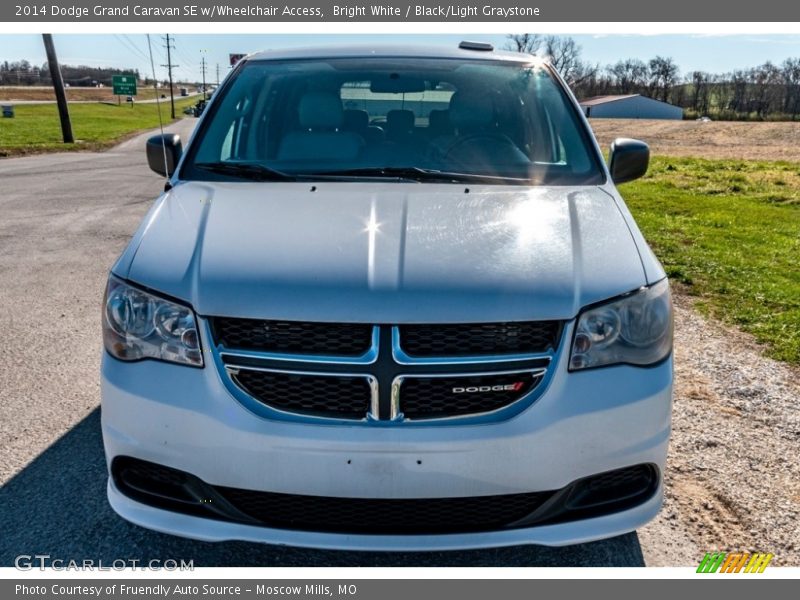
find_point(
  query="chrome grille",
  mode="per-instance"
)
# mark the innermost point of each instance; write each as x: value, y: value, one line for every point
x: 383, y: 382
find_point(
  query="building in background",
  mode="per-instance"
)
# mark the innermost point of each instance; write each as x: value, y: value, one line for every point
x: 631, y: 106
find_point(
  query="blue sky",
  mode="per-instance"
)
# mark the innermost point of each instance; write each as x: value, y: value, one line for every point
x: 715, y: 53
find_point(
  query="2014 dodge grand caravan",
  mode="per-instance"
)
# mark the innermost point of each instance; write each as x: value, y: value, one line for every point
x: 390, y: 299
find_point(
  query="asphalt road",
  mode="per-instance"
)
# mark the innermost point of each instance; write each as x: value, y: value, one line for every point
x: 64, y: 218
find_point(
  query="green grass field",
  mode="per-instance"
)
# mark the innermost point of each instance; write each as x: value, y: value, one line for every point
x: 36, y: 127
x: 730, y: 232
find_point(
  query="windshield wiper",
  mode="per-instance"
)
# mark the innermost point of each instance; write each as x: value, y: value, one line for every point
x: 254, y: 171
x: 415, y: 174
x: 259, y: 172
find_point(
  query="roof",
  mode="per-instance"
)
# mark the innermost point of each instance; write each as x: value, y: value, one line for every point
x: 595, y: 100
x: 372, y: 51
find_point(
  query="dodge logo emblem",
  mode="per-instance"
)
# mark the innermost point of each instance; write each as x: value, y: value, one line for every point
x: 477, y: 389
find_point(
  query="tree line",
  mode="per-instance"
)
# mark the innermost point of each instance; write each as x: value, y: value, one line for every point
x: 765, y: 92
x: 25, y: 73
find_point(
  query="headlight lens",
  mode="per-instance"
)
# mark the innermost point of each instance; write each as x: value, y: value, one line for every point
x: 138, y: 325
x: 636, y: 329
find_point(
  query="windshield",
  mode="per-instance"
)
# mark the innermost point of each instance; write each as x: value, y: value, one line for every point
x: 397, y: 118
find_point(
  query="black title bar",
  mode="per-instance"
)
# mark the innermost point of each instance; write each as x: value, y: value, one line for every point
x: 510, y: 11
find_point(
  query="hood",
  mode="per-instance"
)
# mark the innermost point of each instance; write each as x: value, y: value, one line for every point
x: 385, y: 252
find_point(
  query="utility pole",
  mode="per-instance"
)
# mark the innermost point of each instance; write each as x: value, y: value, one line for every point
x: 217, y: 74
x: 203, y: 67
x: 169, y: 66
x: 58, y: 86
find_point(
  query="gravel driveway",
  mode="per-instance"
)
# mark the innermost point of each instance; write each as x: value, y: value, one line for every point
x: 733, y: 478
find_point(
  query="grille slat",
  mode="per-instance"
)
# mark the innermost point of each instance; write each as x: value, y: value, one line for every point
x: 343, y: 397
x: 293, y: 337
x: 481, y: 339
x: 439, y: 397
x: 384, y: 516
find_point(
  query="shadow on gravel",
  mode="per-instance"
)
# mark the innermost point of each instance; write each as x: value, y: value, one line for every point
x: 57, y: 506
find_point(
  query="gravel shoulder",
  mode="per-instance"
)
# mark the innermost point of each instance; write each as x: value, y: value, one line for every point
x: 733, y: 472
x: 733, y: 476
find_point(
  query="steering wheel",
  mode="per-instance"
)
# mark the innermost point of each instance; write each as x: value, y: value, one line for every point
x: 472, y: 138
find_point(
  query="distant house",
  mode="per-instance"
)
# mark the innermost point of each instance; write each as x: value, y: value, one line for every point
x: 631, y: 106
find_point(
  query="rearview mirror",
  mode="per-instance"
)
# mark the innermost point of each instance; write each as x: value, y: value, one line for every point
x: 628, y: 159
x: 163, y: 153
x: 395, y: 83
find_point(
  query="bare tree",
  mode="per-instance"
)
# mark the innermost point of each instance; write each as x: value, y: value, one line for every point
x: 629, y: 76
x: 562, y: 52
x: 565, y: 55
x: 738, y: 101
x: 528, y: 43
x: 767, y: 86
x: 701, y: 91
x: 791, y: 80
x: 663, y: 76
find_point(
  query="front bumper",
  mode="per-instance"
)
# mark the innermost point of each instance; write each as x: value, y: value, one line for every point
x: 208, y: 530
x: 584, y: 423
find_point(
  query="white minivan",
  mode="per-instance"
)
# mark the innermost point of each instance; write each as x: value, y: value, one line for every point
x: 390, y: 299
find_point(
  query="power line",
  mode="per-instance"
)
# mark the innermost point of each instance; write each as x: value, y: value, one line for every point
x: 129, y: 46
x: 182, y: 55
x: 132, y: 46
x: 186, y: 63
x: 188, y: 74
x: 184, y: 75
x: 135, y: 46
x: 192, y: 65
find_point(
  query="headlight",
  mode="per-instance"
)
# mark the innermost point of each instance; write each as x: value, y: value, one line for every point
x: 138, y: 325
x: 635, y: 329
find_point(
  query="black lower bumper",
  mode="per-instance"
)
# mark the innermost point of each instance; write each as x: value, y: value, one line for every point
x: 170, y: 489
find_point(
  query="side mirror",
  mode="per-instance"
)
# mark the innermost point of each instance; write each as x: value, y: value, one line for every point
x: 158, y: 146
x: 628, y: 159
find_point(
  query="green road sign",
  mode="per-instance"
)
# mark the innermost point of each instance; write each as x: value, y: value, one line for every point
x: 124, y: 85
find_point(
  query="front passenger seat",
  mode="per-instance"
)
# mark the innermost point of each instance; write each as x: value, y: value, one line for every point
x: 321, y: 139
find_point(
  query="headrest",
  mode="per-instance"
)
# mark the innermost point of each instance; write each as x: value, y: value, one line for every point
x: 355, y: 120
x: 400, y: 120
x: 471, y: 110
x: 320, y: 110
